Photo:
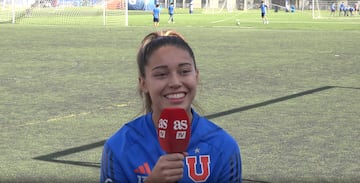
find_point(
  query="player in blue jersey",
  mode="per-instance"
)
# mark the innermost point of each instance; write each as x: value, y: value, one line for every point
x: 333, y: 9
x: 342, y: 9
x: 156, y: 15
x: 263, y: 8
x: 168, y: 77
x: 171, y: 10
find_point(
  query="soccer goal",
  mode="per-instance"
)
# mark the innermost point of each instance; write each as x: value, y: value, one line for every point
x: 65, y: 12
x: 322, y: 8
x: 219, y: 6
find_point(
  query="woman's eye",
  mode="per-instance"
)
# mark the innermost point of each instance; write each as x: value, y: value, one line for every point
x: 185, y: 71
x: 159, y: 75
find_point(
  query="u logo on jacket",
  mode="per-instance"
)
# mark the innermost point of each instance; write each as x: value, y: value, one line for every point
x: 204, y: 161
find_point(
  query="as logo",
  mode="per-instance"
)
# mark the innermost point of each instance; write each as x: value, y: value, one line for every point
x: 180, y: 125
x: 191, y: 162
x: 163, y: 123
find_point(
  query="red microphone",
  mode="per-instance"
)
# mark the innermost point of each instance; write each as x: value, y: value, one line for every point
x: 174, y: 130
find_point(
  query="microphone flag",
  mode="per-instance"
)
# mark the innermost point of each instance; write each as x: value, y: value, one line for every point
x: 174, y: 130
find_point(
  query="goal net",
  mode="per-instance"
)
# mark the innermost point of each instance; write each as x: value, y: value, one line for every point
x: 218, y: 6
x: 322, y: 8
x: 64, y: 12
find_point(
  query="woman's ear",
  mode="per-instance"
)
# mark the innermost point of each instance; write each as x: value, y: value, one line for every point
x: 197, y: 75
x: 142, y: 85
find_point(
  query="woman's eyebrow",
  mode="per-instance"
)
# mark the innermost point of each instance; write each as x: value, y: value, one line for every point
x: 185, y: 64
x: 160, y: 67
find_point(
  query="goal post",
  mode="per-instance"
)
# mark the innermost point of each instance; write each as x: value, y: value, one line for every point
x: 65, y: 12
x: 315, y: 9
x: 322, y: 8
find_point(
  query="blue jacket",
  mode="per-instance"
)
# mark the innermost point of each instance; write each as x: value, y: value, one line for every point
x: 131, y: 153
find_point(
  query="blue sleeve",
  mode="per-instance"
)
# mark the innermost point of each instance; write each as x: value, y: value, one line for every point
x: 228, y: 163
x: 110, y: 167
x: 232, y: 170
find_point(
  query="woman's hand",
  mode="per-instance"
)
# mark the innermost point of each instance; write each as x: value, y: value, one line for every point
x: 168, y: 169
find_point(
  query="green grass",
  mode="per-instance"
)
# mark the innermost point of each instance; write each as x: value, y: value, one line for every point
x: 93, y: 16
x: 289, y: 92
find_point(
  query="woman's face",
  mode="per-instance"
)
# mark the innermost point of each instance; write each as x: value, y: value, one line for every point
x: 170, y: 79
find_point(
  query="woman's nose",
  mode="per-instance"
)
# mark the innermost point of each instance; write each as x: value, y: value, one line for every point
x: 174, y: 80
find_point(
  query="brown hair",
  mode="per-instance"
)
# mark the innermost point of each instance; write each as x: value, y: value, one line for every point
x: 151, y: 43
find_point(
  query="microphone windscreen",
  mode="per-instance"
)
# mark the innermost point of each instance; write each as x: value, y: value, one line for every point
x: 174, y: 130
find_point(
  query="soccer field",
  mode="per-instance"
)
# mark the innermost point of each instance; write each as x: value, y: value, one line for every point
x: 289, y: 92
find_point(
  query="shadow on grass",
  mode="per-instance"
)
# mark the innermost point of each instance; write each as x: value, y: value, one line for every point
x: 52, y: 157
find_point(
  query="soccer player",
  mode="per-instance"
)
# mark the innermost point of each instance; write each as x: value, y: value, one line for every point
x: 168, y: 78
x: 350, y: 10
x: 171, y: 10
x: 191, y: 7
x: 332, y: 9
x: 156, y: 15
x: 346, y: 11
x: 263, y: 8
x: 342, y: 9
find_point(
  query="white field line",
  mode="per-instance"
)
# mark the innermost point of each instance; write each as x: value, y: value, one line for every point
x: 57, y: 118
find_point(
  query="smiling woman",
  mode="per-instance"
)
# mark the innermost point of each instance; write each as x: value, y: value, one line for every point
x: 170, y: 84
x: 168, y: 78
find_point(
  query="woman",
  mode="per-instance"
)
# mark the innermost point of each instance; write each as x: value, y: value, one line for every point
x: 168, y: 78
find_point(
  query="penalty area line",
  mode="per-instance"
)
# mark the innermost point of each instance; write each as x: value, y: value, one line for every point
x: 222, y: 20
x: 58, y: 118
